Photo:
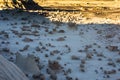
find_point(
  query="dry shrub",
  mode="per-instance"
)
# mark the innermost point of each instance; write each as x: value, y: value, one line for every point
x: 54, y: 65
x: 72, y: 26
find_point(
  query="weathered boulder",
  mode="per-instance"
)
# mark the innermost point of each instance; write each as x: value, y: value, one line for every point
x: 9, y: 71
x: 27, y: 64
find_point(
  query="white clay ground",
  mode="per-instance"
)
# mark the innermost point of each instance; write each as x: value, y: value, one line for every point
x: 83, y: 50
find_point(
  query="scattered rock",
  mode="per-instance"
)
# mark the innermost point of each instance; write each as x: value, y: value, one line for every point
x: 112, y: 48
x: 61, y: 31
x: 15, y: 31
x: 6, y: 49
x: 37, y: 48
x: 54, y: 65
x: 5, y: 19
x: 83, y: 61
x: 110, y: 63
x: 26, y: 28
x: 89, y: 55
x: 25, y: 48
x: 61, y: 39
x: 26, y: 39
x: 24, y: 19
x: 53, y: 76
x: 75, y: 57
x: 118, y: 60
x: 50, y: 32
x: 69, y: 78
x: 110, y: 71
x: 54, y: 52
x: 35, y: 25
x: 38, y: 76
x: 99, y: 31
x: 110, y: 35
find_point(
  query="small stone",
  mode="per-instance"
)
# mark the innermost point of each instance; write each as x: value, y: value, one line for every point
x: 50, y: 32
x: 37, y: 49
x: 83, y: 61
x: 89, y: 56
x: 24, y: 19
x: 46, y: 55
x: 36, y: 76
x: 73, y: 57
x: 82, y: 66
x: 6, y: 50
x: 26, y: 39
x: 118, y: 60
x: 17, y: 43
x: 69, y: 78
x: 53, y: 76
x: 112, y: 48
x: 60, y: 39
x: 99, y: 32
x: 110, y: 72
x: 35, y: 25
x: 82, y: 70
x: 61, y: 31
x: 111, y: 64
x: 25, y: 48
x: 54, y: 65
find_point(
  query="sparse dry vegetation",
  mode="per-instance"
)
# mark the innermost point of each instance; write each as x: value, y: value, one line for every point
x: 67, y: 40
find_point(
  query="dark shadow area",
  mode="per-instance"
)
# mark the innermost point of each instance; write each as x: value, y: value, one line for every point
x: 31, y: 5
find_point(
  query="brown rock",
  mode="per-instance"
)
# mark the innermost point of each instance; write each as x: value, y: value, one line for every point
x: 61, y: 39
x: 27, y: 39
x: 112, y: 48
x: 54, y: 65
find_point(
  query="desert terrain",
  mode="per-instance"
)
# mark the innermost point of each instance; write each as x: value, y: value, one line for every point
x: 65, y: 40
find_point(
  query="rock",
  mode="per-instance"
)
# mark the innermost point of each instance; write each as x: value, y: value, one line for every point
x: 37, y: 48
x: 25, y: 48
x: 24, y: 18
x: 112, y: 48
x: 27, y: 64
x: 26, y: 28
x: 54, y: 65
x: 9, y: 71
x: 27, y: 39
x: 61, y: 31
x: 35, y: 25
x: 53, y: 76
x: 110, y: 71
x: 38, y: 77
x: 60, y: 39
x: 73, y: 57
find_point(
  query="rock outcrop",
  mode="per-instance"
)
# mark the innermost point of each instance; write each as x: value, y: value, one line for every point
x: 20, y: 4
x: 9, y: 71
x: 27, y: 64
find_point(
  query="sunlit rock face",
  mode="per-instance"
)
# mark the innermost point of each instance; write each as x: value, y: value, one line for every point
x: 20, y: 4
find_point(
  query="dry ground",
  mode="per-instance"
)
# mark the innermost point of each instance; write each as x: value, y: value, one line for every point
x: 107, y: 9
